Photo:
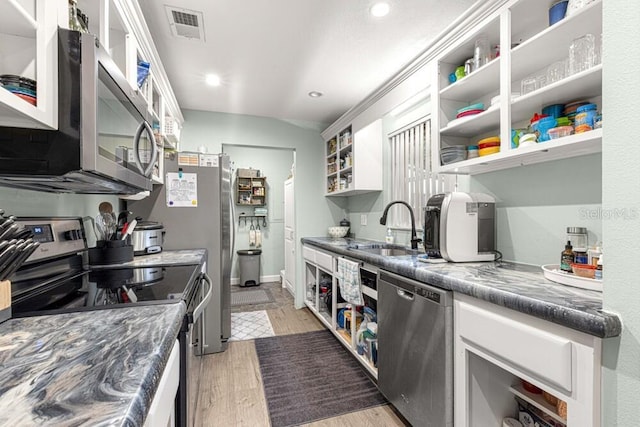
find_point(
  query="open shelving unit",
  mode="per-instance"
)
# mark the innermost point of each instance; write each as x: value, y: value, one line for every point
x: 320, y: 278
x: 535, y: 45
x: 251, y: 191
x: 353, y: 161
x: 26, y: 50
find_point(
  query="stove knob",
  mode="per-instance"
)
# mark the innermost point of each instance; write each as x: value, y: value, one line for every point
x: 73, y: 234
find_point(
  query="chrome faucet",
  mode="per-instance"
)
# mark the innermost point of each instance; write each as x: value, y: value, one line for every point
x: 414, y: 237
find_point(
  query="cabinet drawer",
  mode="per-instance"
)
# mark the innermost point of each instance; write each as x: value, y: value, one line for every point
x: 546, y: 355
x: 324, y: 261
x: 309, y: 254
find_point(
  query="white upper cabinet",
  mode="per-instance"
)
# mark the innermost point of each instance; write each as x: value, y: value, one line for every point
x: 28, y: 49
x: 353, y: 162
x: 528, y: 46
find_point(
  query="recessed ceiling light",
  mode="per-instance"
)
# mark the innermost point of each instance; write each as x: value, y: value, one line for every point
x: 213, y: 80
x: 379, y: 9
x: 315, y: 94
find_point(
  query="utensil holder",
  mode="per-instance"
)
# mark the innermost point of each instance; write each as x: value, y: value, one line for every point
x: 110, y: 252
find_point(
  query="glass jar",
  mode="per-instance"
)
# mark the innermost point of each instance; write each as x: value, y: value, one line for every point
x: 582, y: 54
x: 578, y: 238
x: 481, y: 52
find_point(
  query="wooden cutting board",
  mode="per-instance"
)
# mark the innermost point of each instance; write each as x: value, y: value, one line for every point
x: 5, y: 300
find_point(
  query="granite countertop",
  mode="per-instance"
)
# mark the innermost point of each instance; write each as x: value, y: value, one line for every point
x: 93, y: 368
x: 164, y: 258
x: 518, y: 287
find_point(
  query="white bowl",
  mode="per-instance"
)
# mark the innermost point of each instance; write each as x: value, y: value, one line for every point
x: 337, y: 232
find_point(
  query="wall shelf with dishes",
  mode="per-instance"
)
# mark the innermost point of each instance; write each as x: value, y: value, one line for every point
x: 547, y: 67
x: 28, y: 72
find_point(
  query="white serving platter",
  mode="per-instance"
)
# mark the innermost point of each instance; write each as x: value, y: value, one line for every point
x: 553, y: 273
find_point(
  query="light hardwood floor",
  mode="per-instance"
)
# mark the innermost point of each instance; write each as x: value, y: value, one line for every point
x: 231, y: 391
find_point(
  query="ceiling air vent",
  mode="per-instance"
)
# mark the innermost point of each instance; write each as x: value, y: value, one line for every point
x: 186, y: 23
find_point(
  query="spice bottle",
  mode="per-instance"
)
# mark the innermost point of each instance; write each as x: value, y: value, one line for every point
x: 593, y: 255
x: 567, y: 258
x: 599, y: 268
x: 580, y: 257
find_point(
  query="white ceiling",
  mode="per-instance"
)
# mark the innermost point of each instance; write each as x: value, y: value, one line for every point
x: 271, y: 54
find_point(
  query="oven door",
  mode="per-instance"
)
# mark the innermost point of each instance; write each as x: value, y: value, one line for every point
x: 193, y: 362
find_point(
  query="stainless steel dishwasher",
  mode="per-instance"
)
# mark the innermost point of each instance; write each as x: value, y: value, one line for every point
x: 415, y: 349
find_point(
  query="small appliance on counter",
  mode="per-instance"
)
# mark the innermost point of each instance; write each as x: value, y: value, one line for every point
x: 147, y: 237
x: 460, y: 227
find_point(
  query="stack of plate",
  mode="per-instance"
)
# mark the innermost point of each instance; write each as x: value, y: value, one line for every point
x: 456, y: 153
x: 20, y: 86
x: 470, y: 110
x: 488, y: 146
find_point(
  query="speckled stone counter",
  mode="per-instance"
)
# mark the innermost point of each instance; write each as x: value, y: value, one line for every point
x: 164, y: 258
x: 514, y: 286
x: 93, y: 368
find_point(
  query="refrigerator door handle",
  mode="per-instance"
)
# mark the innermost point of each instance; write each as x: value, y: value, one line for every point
x: 200, y: 308
x: 232, y: 225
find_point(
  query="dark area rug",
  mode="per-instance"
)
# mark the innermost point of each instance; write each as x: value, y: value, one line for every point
x: 311, y: 376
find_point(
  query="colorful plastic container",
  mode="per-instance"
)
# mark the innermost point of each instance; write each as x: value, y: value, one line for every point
x: 585, y: 115
x: 557, y: 11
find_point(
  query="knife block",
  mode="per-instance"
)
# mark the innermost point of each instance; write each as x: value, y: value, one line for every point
x: 110, y: 252
x: 5, y: 300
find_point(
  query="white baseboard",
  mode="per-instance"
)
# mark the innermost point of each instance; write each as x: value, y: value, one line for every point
x: 263, y: 279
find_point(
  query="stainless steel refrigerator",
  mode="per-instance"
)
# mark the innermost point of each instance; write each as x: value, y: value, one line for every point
x: 203, y: 222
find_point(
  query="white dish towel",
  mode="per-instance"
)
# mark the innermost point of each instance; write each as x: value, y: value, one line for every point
x: 349, y: 279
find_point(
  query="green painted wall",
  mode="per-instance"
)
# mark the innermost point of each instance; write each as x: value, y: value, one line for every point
x: 535, y: 204
x: 621, y: 194
x: 274, y: 164
x: 313, y: 214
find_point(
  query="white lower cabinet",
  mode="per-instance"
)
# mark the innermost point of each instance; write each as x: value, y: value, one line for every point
x: 496, y: 348
x: 162, y: 409
x: 322, y: 297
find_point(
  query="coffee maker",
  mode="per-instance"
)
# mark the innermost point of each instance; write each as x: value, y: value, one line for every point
x: 460, y: 227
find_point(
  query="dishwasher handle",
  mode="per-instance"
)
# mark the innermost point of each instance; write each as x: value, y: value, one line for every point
x: 414, y: 288
x: 405, y: 295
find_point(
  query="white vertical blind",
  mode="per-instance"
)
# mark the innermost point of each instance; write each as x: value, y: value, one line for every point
x: 412, y: 180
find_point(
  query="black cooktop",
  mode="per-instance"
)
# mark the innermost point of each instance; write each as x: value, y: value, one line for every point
x: 130, y: 285
x: 104, y: 289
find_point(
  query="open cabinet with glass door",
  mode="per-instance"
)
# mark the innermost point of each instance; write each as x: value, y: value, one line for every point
x: 545, y: 71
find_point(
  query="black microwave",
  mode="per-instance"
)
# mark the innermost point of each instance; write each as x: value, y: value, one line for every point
x: 104, y: 142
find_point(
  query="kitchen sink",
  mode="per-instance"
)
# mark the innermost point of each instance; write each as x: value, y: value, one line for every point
x: 387, y: 250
